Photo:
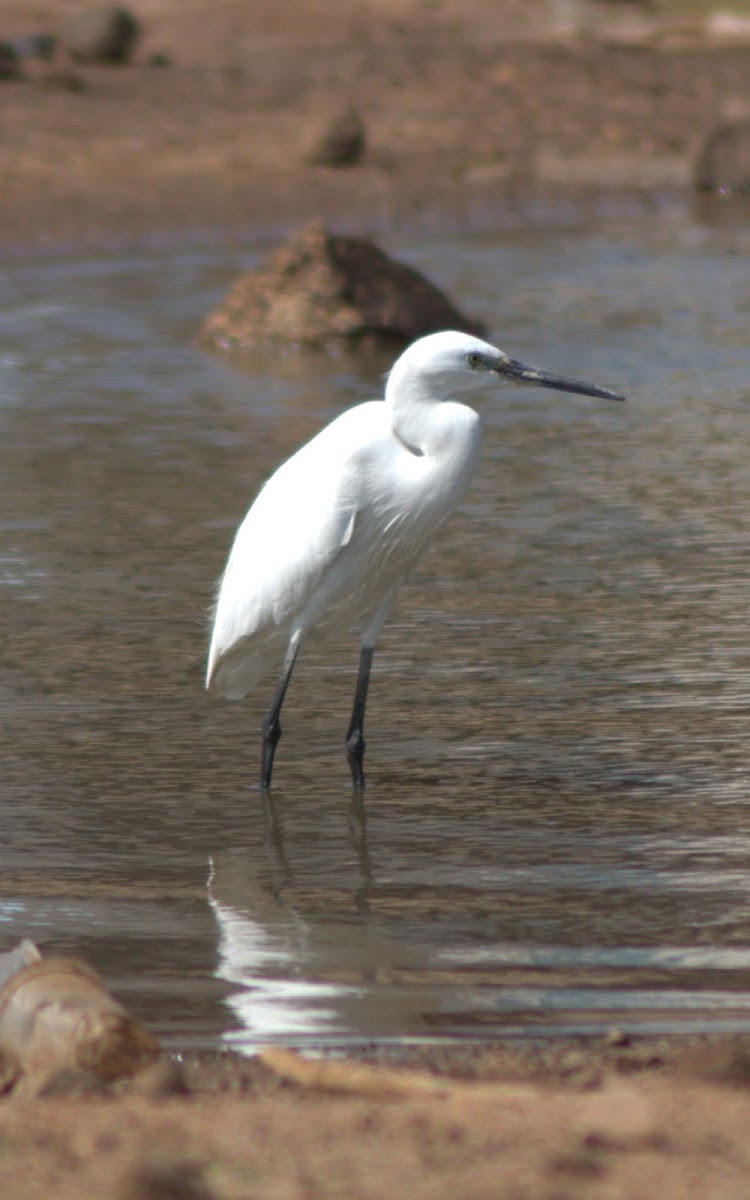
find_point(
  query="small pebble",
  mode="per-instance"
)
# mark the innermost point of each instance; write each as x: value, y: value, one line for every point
x: 165, y: 1180
x: 618, y: 1037
x: 164, y: 1078
x: 342, y: 143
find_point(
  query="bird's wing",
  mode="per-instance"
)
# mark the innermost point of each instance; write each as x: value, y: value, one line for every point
x: 301, y: 520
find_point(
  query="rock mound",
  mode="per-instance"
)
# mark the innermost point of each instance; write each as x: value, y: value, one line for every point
x: 723, y: 164
x: 100, y: 34
x: 323, y: 288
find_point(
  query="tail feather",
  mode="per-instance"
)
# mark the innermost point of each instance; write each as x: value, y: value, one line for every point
x: 240, y: 670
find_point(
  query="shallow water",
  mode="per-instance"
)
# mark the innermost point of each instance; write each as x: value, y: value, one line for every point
x: 556, y: 834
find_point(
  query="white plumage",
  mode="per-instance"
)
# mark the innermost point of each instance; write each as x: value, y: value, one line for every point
x: 333, y: 533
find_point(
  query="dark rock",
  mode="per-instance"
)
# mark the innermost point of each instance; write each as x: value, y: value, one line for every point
x: 323, y: 289
x: 723, y: 164
x: 35, y: 45
x: 10, y: 63
x: 106, y: 34
x: 165, y: 1180
x: 341, y: 143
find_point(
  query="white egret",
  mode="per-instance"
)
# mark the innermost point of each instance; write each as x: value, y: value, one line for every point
x: 334, y: 532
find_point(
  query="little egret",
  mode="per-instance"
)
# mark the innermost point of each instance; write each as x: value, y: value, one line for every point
x: 335, y: 531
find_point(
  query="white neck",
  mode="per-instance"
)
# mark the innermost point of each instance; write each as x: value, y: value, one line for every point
x: 439, y: 432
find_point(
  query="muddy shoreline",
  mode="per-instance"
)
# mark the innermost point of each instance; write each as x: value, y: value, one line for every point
x: 562, y: 1117
x: 469, y: 121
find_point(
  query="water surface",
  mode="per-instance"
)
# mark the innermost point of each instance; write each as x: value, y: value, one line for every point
x: 556, y: 833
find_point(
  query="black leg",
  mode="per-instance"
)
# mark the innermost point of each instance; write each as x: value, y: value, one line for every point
x: 272, y: 724
x: 358, y: 831
x: 355, y: 738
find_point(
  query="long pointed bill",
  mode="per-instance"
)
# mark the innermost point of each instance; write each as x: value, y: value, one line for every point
x: 520, y: 373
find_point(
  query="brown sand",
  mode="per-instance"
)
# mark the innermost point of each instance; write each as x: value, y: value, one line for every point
x: 462, y: 100
x: 558, y: 1120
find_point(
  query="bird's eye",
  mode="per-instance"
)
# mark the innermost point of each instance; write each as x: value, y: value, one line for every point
x: 474, y: 359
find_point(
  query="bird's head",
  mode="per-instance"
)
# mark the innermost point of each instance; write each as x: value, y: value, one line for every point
x: 451, y: 363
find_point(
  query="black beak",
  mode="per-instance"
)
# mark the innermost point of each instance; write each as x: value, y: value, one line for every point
x: 520, y: 373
